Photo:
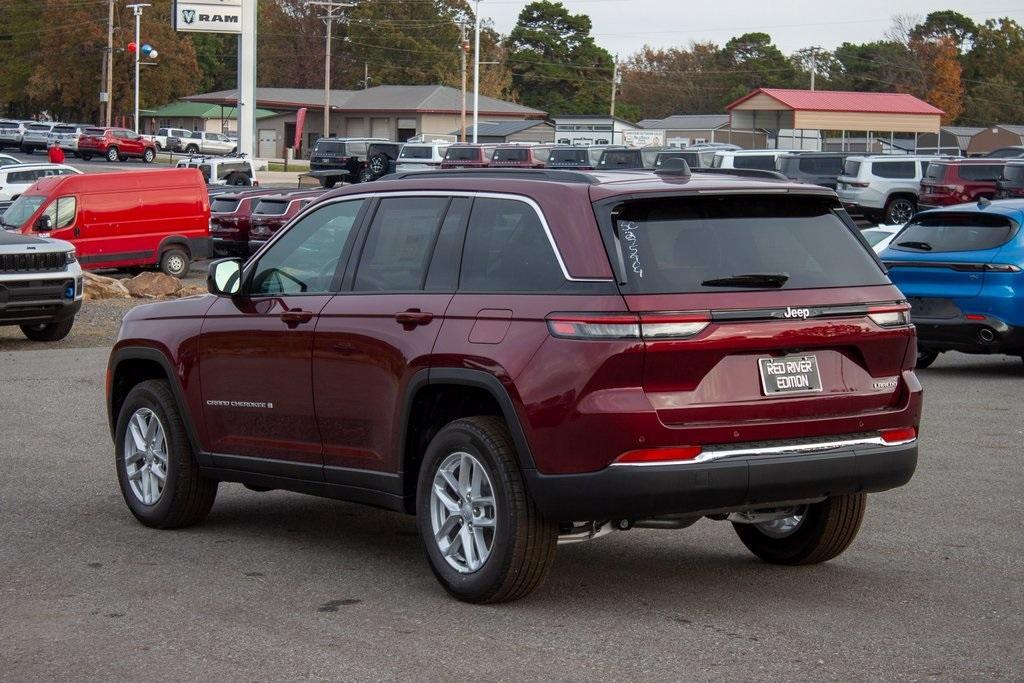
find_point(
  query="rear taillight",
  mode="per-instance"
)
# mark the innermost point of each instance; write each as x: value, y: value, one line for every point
x: 653, y: 326
x: 1002, y: 268
x: 895, y: 315
x: 659, y: 456
x: 898, y: 435
x: 858, y: 184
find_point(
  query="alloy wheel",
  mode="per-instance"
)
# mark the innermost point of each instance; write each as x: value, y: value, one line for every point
x: 463, y: 512
x: 145, y: 456
x: 784, y: 526
x: 900, y: 212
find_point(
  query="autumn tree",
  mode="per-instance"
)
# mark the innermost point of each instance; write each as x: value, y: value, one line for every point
x: 660, y: 82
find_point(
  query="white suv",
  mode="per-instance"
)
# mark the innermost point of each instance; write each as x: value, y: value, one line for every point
x: 16, y: 179
x: 883, y: 186
x: 202, y: 142
x: 11, y: 132
x: 42, y: 282
x: 36, y: 136
x: 421, y: 156
x: 234, y: 171
x: 760, y: 159
x: 66, y: 135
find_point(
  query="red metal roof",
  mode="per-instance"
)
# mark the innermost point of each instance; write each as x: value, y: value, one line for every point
x: 837, y: 100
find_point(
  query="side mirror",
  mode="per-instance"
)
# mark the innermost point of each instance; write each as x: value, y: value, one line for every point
x: 44, y: 223
x: 225, y: 277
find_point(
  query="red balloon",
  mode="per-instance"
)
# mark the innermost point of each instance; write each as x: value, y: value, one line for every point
x: 132, y: 47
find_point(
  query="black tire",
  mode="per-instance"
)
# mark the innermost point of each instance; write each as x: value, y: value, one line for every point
x: 148, y: 155
x: 328, y: 183
x: 378, y: 165
x: 238, y: 180
x: 899, y: 210
x: 85, y: 156
x: 524, y: 542
x: 48, y: 332
x: 187, y: 496
x: 113, y: 154
x: 926, y: 357
x: 827, y: 529
x: 26, y: 149
x: 366, y: 175
x: 192, y: 149
x: 175, y: 262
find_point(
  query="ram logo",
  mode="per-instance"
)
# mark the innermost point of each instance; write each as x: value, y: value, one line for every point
x: 188, y: 15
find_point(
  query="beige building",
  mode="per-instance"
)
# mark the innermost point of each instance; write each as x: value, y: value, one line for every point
x: 683, y: 130
x: 393, y: 112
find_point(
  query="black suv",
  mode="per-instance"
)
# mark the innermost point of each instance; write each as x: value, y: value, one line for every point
x: 353, y: 159
x: 1011, y: 183
x: 815, y: 168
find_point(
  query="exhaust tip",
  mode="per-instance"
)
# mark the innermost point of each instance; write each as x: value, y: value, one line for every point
x: 986, y: 335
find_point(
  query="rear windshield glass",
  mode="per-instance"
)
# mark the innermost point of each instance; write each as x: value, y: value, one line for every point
x: 219, y: 205
x: 39, y: 126
x: 831, y: 166
x: 568, y: 156
x: 764, y: 162
x: 936, y: 171
x: 410, y: 152
x: 851, y: 167
x: 1014, y: 173
x: 64, y: 129
x: 271, y: 207
x: 462, y: 154
x: 894, y: 169
x: 683, y: 244
x: 97, y: 132
x: 324, y: 147
x: 8, y: 124
x: 508, y: 154
x: 690, y: 158
x: 624, y: 159
x: 981, y: 171
x: 954, y: 232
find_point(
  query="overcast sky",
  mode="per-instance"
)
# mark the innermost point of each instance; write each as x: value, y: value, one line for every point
x: 624, y: 26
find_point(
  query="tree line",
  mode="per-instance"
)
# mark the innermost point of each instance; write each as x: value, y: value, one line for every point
x: 51, y: 53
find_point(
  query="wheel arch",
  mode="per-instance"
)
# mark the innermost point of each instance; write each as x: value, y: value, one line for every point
x: 173, y: 241
x: 901, y: 194
x: 130, y: 366
x: 438, y: 396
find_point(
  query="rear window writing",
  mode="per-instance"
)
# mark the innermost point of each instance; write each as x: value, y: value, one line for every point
x: 674, y: 245
x: 954, y: 232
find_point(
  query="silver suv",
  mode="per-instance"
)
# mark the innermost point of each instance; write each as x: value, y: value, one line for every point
x: 66, y: 135
x: 11, y: 132
x: 37, y: 136
x: 883, y: 186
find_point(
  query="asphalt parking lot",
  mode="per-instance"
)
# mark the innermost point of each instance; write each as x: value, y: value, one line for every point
x: 278, y: 586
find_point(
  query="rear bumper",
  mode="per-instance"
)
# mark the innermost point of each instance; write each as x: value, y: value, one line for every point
x: 226, y: 246
x: 739, y: 482
x: 970, y: 336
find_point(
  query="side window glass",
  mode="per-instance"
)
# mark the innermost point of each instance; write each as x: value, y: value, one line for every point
x: 305, y: 258
x: 397, y: 249
x: 443, y: 275
x: 61, y: 212
x: 507, y: 250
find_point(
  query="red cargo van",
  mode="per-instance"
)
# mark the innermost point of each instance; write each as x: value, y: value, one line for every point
x: 122, y: 220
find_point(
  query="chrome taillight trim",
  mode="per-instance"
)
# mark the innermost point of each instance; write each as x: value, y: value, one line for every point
x: 712, y: 453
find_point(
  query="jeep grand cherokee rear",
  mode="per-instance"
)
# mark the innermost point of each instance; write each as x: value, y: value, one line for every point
x: 523, y: 358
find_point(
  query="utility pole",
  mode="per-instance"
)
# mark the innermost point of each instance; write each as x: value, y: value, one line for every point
x: 476, y: 74
x: 330, y: 6
x: 814, y: 68
x: 137, y: 9
x: 366, y: 75
x: 463, y: 49
x: 108, y: 67
x: 615, y: 83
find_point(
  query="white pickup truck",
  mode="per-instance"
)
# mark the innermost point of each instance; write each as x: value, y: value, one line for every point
x: 202, y: 142
x: 169, y: 139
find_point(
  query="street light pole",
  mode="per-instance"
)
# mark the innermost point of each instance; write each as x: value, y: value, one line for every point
x: 476, y: 74
x: 137, y: 9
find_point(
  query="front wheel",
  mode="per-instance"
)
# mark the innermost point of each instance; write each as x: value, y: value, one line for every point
x: 156, y: 468
x: 48, y: 332
x: 486, y: 540
x: 174, y: 262
x: 899, y: 211
x: 148, y: 155
x: 812, y: 534
x: 926, y: 357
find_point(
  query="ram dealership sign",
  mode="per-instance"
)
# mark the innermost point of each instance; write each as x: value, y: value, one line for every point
x: 208, y: 16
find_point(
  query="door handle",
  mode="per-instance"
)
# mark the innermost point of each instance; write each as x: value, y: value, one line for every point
x: 413, y: 317
x: 296, y: 316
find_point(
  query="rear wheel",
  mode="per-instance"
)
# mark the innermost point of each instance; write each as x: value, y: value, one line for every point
x: 899, y: 210
x: 192, y: 149
x: 113, y: 154
x: 25, y: 149
x: 85, y: 156
x: 174, y: 262
x: 366, y: 175
x: 485, y: 539
x: 926, y: 357
x: 814, y: 533
x: 48, y: 332
x: 156, y: 468
x: 328, y: 183
x: 148, y: 155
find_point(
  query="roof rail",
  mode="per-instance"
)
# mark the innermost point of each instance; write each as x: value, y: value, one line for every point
x: 558, y: 175
x: 764, y: 174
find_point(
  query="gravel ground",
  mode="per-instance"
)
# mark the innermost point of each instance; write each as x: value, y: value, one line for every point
x: 97, y: 323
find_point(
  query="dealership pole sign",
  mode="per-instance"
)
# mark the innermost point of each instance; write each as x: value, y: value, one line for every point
x: 208, y: 16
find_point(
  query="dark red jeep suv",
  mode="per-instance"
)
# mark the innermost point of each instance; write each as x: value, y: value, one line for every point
x: 527, y: 357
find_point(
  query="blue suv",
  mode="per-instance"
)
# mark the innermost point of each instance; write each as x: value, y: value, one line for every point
x: 960, y: 269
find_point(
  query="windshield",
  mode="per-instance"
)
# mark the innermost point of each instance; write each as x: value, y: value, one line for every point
x: 955, y: 232
x: 462, y: 154
x: 568, y: 156
x: 328, y: 147
x: 623, y: 159
x: 271, y: 207
x: 22, y: 209
x: 413, y: 152
x: 223, y: 205
x: 509, y: 154
x: 677, y: 245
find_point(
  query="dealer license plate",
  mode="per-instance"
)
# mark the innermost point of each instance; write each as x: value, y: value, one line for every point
x: 789, y: 375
